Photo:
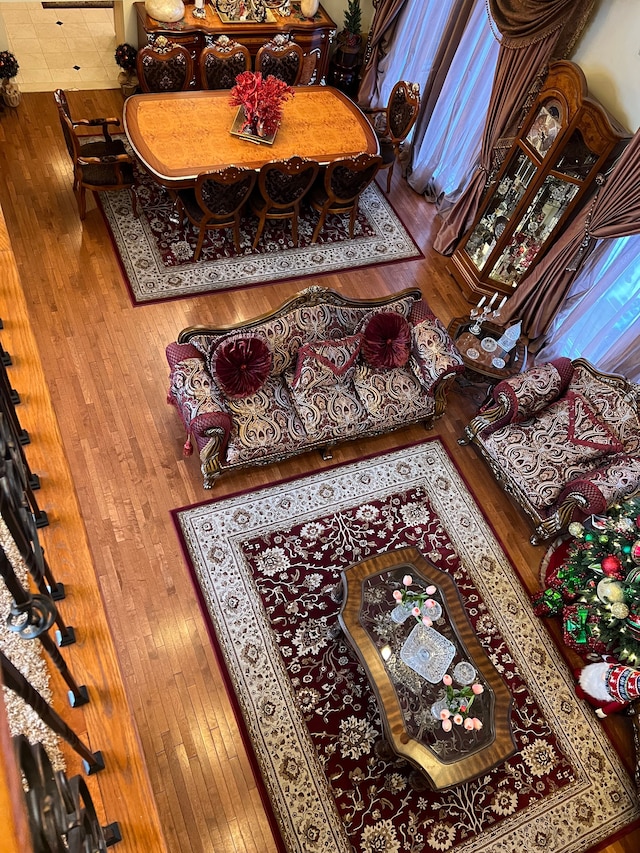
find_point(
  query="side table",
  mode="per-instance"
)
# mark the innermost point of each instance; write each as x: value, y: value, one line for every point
x: 484, y: 360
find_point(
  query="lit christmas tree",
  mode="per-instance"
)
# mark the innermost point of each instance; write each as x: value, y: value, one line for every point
x: 596, y: 586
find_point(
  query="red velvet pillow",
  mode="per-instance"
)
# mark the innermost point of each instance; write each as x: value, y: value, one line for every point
x: 387, y: 340
x: 242, y: 365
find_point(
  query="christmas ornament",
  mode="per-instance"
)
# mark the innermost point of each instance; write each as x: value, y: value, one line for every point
x: 612, y: 566
x: 635, y: 552
x: 576, y: 529
x: 619, y: 610
x: 610, y: 590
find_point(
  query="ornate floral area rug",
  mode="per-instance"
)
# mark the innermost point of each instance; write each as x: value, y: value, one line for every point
x: 156, y: 256
x: 265, y: 563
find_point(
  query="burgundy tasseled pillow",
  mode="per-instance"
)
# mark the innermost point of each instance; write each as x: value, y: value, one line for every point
x: 242, y: 365
x: 387, y: 340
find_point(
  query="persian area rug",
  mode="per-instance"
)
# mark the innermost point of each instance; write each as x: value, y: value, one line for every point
x: 265, y: 563
x: 156, y: 256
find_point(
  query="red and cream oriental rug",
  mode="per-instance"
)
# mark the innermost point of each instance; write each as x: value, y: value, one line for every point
x: 265, y: 562
x: 156, y: 256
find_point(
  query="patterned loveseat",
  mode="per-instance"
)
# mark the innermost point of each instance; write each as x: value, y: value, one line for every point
x: 563, y: 439
x: 320, y: 369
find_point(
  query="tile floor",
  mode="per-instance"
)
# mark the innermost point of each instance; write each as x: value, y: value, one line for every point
x: 61, y: 48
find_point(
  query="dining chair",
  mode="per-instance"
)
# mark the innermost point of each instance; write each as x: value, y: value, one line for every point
x: 393, y: 122
x: 164, y: 66
x: 217, y: 201
x: 282, y: 58
x: 221, y: 62
x: 97, y: 165
x: 282, y: 184
x: 340, y: 189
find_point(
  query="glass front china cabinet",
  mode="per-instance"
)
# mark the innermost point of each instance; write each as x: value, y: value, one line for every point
x: 566, y: 140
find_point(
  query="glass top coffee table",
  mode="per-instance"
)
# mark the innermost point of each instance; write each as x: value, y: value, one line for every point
x: 406, y: 661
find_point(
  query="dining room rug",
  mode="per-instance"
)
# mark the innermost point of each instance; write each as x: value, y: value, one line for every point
x: 264, y: 564
x: 156, y: 256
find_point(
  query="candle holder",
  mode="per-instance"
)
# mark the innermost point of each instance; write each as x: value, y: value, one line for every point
x: 480, y: 317
x: 199, y: 11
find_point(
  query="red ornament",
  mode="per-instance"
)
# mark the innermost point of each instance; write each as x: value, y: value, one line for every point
x: 612, y: 567
x: 638, y: 521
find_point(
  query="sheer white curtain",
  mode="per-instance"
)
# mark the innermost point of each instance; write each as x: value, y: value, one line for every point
x: 600, y: 319
x: 419, y: 31
x: 449, y: 150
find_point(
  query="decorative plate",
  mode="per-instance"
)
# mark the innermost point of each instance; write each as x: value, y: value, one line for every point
x: 489, y: 344
x: 472, y: 353
x: 464, y: 672
x: 498, y: 363
x: 428, y: 653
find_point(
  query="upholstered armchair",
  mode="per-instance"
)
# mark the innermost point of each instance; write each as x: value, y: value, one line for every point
x: 563, y: 439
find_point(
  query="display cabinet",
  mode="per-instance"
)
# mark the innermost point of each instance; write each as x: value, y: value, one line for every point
x: 565, y: 142
x: 314, y: 35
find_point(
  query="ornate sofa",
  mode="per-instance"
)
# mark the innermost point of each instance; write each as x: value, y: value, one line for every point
x: 563, y: 439
x: 319, y: 369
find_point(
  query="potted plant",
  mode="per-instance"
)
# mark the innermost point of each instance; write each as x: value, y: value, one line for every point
x: 346, y: 59
x: 8, y: 69
x: 125, y: 57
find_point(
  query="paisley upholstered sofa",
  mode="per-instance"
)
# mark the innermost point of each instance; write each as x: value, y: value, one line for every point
x: 563, y: 439
x: 320, y: 369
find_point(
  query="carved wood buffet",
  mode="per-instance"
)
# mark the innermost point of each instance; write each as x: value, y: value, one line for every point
x: 314, y: 35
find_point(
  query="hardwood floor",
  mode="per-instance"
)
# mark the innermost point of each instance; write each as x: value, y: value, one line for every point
x: 104, y: 364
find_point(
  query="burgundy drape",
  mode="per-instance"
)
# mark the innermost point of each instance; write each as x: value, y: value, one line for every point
x: 516, y: 71
x: 614, y: 213
x: 532, y: 32
x: 380, y: 36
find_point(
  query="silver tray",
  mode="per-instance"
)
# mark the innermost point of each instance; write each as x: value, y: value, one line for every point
x: 428, y: 653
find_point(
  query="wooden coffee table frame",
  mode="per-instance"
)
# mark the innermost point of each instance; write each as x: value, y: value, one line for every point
x: 440, y: 774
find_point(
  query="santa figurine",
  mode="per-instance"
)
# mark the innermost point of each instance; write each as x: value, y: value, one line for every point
x: 608, y: 686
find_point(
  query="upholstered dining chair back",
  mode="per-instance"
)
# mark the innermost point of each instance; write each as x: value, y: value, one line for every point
x: 98, y: 165
x: 340, y: 190
x: 217, y: 201
x: 164, y: 66
x: 282, y: 184
x: 221, y: 62
x: 393, y: 123
x: 281, y: 58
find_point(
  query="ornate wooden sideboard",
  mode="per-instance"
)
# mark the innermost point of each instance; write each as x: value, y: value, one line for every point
x: 313, y: 35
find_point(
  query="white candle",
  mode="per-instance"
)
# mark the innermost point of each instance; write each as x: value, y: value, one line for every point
x: 199, y: 4
x: 493, y: 299
x: 504, y: 299
x: 481, y: 302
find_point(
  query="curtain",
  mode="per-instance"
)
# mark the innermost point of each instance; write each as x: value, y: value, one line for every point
x: 429, y: 33
x: 380, y: 38
x: 600, y: 319
x: 615, y: 212
x: 449, y: 130
x: 532, y: 32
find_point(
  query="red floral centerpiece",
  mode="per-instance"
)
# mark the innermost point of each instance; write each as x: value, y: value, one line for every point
x: 261, y: 98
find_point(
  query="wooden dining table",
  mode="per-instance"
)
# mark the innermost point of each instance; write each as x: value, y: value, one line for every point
x: 178, y: 135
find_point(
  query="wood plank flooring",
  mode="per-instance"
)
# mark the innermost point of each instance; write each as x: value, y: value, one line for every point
x: 103, y: 360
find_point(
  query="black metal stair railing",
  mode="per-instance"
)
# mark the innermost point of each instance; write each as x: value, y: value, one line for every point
x: 61, y: 814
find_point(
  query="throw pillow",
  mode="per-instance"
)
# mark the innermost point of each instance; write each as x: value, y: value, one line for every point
x: 241, y: 364
x: 387, y: 340
x: 337, y: 357
x: 587, y: 430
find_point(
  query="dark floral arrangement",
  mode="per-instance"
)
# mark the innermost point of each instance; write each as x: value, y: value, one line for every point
x: 125, y: 56
x: 262, y: 99
x: 8, y: 65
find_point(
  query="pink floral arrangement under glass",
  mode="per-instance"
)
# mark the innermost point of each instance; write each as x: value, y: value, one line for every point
x: 261, y: 99
x: 458, y: 705
x: 420, y: 602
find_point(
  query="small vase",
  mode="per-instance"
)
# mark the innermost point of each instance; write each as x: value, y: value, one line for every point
x: 128, y: 83
x: 11, y: 95
x: 308, y: 8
